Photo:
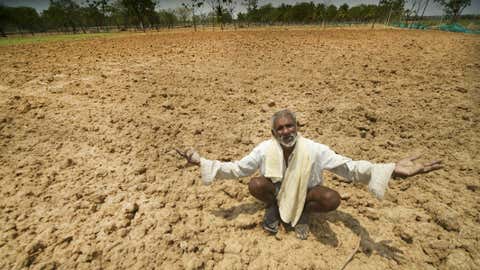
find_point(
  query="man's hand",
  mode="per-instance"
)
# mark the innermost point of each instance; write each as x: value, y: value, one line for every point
x: 190, y: 155
x: 409, y: 167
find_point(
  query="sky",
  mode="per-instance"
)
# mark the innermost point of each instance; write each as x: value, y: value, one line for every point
x: 433, y: 9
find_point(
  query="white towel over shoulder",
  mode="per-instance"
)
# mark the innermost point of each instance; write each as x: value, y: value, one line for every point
x: 292, y: 194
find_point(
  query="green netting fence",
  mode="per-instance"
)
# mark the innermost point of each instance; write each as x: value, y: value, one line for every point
x: 444, y: 27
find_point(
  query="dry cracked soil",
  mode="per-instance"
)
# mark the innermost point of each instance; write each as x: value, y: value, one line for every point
x: 89, y: 178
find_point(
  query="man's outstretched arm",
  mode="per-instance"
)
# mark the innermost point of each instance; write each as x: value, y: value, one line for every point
x: 377, y: 175
x: 211, y: 169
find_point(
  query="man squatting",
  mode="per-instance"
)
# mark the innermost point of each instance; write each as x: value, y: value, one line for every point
x: 291, y: 169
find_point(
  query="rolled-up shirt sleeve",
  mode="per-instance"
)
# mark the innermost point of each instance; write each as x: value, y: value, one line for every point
x: 214, y: 169
x: 375, y: 175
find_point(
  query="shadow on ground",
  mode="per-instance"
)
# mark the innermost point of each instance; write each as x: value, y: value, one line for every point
x: 233, y: 212
x: 320, y: 228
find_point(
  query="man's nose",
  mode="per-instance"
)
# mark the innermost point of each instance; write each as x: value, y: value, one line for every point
x: 284, y: 130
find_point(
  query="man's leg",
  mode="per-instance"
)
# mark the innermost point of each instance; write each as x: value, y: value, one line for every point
x: 322, y: 199
x: 319, y: 199
x: 264, y: 190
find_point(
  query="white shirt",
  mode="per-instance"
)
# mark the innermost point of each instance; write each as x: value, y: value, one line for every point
x: 375, y: 175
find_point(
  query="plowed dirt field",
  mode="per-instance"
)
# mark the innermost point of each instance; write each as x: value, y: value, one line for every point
x: 89, y: 178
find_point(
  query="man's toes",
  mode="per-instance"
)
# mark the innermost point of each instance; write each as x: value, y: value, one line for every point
x: 301, y: 230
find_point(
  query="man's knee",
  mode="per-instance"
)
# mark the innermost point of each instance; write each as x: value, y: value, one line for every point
x: 260, y: 185
x: 333, y: 199
x: 323, y: 199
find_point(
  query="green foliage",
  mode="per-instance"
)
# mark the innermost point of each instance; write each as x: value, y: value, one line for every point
x: 220, y: 10
x: 63, y: 14
x: 331, y: 12
x: 22, y: 19
x: 308, y: 12
x: 4, y: 19
x: 453, y: 8
x: 141, y: 10
x: 343, y: 12
x: 99, y: 15
x: 167, y: 18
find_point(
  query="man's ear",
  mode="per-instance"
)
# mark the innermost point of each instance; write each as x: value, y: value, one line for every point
x: 273, y: 132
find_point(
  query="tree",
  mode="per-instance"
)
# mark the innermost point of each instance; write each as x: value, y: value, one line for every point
x: 119, y: 14
x: 252, y: 6
x: 264, y: 14
x: 4, y: 19
x: 140, y: 9
x: 98, y: 11
x: 63, y: 14
x: 375, y: 12
x: 26, y: 18
x: 453, y: 8
x: 343, y: 12
x: 321, y: 13
x: 303, y: 12
x: 218, y: 9
x: 230, y: 10
x: 192, y: 5
x: 331, y: 12
x: 394, y: 8
x: 183, y: 14
x: 167, y: 18
x: 382, y: 10
x: 424, y: 8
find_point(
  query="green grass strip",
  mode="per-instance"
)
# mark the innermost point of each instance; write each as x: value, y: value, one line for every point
x: 9, y: 41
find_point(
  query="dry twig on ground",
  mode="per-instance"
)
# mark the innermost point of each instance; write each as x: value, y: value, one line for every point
x: 352, y: 254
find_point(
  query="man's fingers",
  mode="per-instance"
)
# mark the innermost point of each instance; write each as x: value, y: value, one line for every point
x: 433, y: 163
x: 184, y: 154
x: 415, y: 157
x: 181, y: 153
x: 432, y: 168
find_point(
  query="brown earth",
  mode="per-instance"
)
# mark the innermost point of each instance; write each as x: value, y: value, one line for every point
x: 89, y: 178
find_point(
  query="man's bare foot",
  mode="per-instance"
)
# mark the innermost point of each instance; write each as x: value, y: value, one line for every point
x: 302, y: 229
x: 271, y: 219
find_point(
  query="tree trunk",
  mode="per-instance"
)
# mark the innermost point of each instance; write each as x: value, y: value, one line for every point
x: 389, y: 15
x: 424, y: 8
x: 457, y: 13
x: 74, y: 28
x: 418, y: 11
x: 140, y: 19
x: 193, y: 20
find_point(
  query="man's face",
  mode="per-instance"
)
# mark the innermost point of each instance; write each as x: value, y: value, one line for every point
x: 285, y: 131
